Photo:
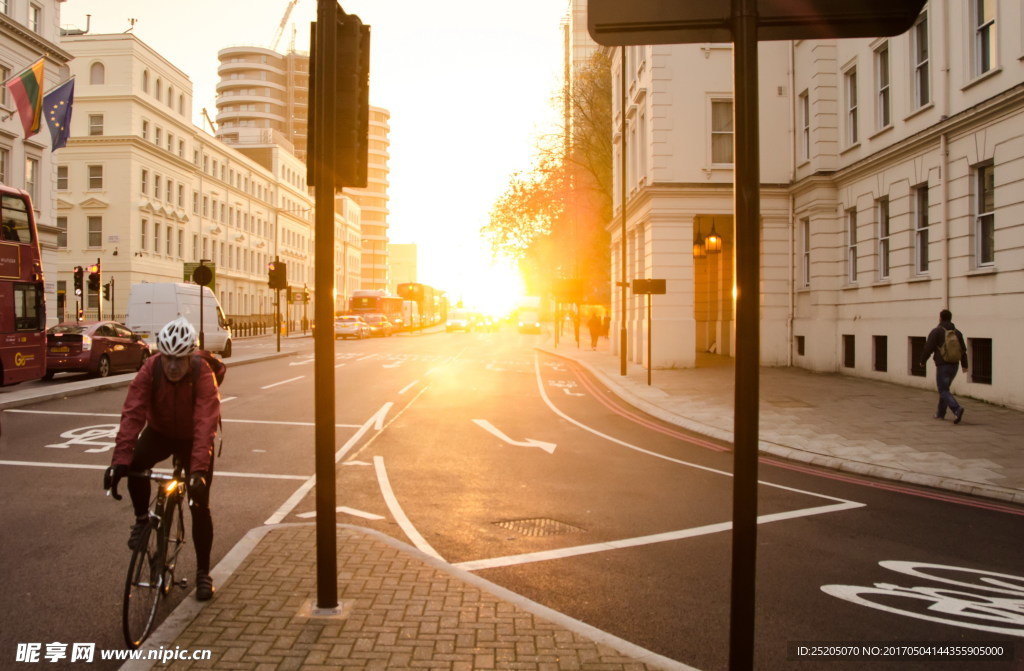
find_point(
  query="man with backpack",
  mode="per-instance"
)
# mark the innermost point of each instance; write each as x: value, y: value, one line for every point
x: 172, y: 407
x: 945, y: 344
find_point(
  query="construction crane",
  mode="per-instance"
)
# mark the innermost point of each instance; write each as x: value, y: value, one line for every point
x: 206, y: 115
x: 284, y: 22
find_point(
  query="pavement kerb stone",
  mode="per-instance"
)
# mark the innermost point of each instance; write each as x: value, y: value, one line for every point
x: 800, y: 454
x: 88, y: 386
x: 189, y: 609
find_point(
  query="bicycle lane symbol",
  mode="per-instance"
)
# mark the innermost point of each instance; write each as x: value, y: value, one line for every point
x: 98, y: 438
x: 969, y: 598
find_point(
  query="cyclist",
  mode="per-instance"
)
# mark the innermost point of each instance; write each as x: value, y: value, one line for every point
x: 170, y: 411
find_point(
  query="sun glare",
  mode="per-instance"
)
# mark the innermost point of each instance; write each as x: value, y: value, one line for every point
x: 494, y: 289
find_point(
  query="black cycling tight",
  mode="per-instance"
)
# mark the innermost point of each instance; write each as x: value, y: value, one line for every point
x: 152, y: 448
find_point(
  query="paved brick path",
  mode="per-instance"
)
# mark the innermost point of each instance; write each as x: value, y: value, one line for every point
x: 405, y: 611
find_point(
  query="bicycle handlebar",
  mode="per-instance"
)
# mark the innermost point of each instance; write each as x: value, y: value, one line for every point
x: 160, y: 477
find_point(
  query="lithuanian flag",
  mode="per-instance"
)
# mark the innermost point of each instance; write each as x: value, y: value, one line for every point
x: 27, y: 91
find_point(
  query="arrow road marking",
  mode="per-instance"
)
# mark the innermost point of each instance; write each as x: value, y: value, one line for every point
x: 348, y: 511
x: 529, y: 442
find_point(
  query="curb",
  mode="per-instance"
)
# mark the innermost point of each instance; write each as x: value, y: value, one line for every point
x: 955, y: 485
x: 83, y: 387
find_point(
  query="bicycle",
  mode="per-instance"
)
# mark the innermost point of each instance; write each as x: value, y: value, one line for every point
x: 154, y: 559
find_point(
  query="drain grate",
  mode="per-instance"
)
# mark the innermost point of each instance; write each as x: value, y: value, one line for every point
x: 539, y: 526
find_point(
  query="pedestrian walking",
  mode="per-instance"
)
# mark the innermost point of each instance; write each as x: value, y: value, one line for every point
x: 594, y: 326
x: 945, y: 344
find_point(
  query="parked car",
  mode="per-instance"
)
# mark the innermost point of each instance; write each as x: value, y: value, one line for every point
x: 99, y: 348
x: 379, y: 324
x: 350, y: 326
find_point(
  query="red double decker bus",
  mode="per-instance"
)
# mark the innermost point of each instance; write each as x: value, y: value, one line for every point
x: 22, y: 305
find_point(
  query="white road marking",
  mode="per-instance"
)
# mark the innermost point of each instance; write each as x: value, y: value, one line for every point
x: 381, y: 414
x: 397, y: 512
x: 100, y: 467
x: 562, y: 553
x: 233, y: 421
x: 310, y: 482
x: 283, y: 382
x: 347, y: 511
x: 529, y: 442
x: 229, y: 398
x: 408, y: 387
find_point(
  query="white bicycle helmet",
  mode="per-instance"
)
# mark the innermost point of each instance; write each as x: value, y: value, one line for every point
x: 177, y: 338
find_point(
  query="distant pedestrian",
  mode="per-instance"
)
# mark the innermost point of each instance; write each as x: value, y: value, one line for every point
x: 946, y: 346
x: 594, y: 326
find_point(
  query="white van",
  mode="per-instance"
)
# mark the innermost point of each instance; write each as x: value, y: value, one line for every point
x: 153, y: 304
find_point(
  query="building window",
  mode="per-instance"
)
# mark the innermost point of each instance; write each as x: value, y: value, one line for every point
x: 142, y: 234
x: 880, y: 360
x: 145, y: 81
x: 181, y: 195
x: 97, y: 74
x: 181, y: 244
x: 721, y: 131
x: 95, y: 124
x: 882, y: 207
x: 5, y: 158
x: 804, y: 105
x: 984, y: 16
x: 62, y: 232
x: 168, y: 249
x: 805, y: 252
x: 95, y: 231
x: 919, y: 44
x: 849, y: 351
x: 169, y: 193
x: 195, y: 202
x: 145, y: 130
x: 156, y: 237
x: 95, y: 177
x: 35, y: 18
x: 851, y: 246
x: 156, y: 186
x: 985, y: 219
x: 981, y: 360
x: 801, y: 345
x: 850, y: 89
x: 156, y: 136
x: 62, y: 178
x: 883, y: 93
x: 921, y: 228
x: 916, y: 345
x: 32, y: 177
x: 145, y: 182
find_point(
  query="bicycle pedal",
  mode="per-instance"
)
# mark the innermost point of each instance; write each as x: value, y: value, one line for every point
x: 183, y: 583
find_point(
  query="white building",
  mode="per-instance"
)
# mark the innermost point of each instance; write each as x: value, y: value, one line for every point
x: 890, y: 171
x: 147, y: 192
x: 28, y: 31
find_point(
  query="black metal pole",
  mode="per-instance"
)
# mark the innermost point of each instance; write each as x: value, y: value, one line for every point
x: 622, y: 206
x: 746, y: 158
x: 202, y: 294
x: 650, y: 316
x: 323, y: 278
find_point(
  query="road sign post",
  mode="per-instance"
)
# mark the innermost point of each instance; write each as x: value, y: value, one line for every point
x: 649, y: 287
x: 744, y: 22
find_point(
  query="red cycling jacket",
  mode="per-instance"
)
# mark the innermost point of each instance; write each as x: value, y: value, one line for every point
x: 172, y: 410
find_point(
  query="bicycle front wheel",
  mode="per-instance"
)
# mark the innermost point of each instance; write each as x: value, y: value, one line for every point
x: 173, y: 525
x: 142, y: 588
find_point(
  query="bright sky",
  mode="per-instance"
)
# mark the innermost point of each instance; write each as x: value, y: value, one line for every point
x: 469, y: 85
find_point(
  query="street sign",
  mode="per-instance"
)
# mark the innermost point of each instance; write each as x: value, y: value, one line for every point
x: 648, y: 286
x: 616, y: 23
x: 189, y: 274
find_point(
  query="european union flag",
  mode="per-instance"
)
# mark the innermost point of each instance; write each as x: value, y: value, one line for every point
x: 57, y: 110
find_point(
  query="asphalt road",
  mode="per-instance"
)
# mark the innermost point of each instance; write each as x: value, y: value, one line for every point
x: 518, y: 466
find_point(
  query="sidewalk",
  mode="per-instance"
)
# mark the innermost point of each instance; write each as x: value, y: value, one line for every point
x: 842, y: 422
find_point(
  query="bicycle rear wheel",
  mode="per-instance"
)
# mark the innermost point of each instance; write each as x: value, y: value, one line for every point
x: 142, y: 588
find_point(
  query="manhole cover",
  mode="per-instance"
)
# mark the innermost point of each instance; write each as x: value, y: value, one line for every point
x: 539, y: 526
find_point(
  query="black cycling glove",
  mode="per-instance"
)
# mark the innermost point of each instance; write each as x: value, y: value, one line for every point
x: 112, y: 476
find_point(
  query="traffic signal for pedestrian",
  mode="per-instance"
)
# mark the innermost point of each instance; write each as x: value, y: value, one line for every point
x: 79, y: 274
x: 277, y: 275
x: 94, y: 277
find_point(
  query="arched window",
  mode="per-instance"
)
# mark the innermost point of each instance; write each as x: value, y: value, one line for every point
x: 157, y: 90
x: 170, y: 96
x: 181, y: 103
x: 145, y: 81
x: 97, y: 74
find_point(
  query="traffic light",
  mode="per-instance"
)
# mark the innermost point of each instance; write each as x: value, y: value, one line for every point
x: 79, y: 273
x: 352, y: 96
x: 106, y: 291
x: 277, y: 275
x: 94, y: 276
